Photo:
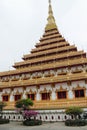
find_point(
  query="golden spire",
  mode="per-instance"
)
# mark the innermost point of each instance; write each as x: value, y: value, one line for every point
x: 51, y: 20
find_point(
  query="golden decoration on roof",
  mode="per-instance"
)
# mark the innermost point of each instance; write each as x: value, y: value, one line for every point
x: 51, y: 20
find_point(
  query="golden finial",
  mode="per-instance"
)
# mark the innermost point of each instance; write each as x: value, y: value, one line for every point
x: 49, y: 1
x: 51, y: 20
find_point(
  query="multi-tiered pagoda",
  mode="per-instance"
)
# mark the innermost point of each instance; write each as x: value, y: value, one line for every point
x: 53, y: 75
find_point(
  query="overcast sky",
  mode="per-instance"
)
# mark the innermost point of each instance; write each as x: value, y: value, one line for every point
x: 22, y: 23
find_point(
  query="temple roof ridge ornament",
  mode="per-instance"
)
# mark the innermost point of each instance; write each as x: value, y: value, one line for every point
x: 51, y: 20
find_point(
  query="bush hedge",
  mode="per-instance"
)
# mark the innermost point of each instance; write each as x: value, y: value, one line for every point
x: 77, y: 122
x: 32, y: 122
x: 4, y: 121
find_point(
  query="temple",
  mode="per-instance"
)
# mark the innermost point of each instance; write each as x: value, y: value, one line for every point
x: 53, y: 75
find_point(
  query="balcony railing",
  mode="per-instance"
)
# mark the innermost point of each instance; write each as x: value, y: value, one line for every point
x: 77, y: 71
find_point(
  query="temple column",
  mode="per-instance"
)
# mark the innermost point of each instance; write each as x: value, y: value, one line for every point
x: 38, y: 96
x: 86, y: 88
x: 24, y: 96
x: 11, y: 97
x: 86, y: 92
x: 0, y: 96
x: 53, y: 95
x: 70, y: 94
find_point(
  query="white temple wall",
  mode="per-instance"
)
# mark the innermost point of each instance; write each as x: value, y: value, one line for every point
x: 61, y: 85
x: 86, y: 91
x: 12, y: 97
x: 38, y: 96
x: 24, y: 96
x: 78, y: 83
x: 0, y: 96
x: 45, y: 87
x: 70, y: 94
x: 53, y: 95
x: 44, y: 115
x: 31, y: 89
x: 6, y: 91
x: 19, y: 90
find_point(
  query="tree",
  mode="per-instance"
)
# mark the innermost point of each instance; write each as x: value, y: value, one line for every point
x: 76, y: 111
x: 23, y: 107
x: 2, y: 105
x: 24, y: 104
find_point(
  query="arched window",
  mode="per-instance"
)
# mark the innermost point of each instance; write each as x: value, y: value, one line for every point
x: 17, y: 97
x: 59, y: 117
x: 46, y: 117
x: 61, y: 95
x: 79, y: 93
x: 45, y: 96
x: 13, y: 117
x: 40, y: 117
x: 31, y: 96
x: 65, y: 117
x: 5, y: 98
x: 52, y: 117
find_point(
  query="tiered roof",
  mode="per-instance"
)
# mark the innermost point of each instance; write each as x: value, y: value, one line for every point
x: 52, y: 52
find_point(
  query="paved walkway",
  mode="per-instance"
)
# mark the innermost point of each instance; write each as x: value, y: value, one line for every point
x: 48, y: 126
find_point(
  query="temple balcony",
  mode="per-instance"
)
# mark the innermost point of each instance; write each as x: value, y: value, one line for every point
x: 62, y: 44
x: 5, y: 80
x: 47, y: 80
x: 15, y: 78
x: 47, y: 52
x: 48, y: 58
x: 77, y: 71
x: 50, y: 36
x: 51, y: 41
x: 62, y: 73
x: 25, y: 77
x: 36, y: 76
x: 49, y: 66
x: 47, y: 75
x: 52, y: 32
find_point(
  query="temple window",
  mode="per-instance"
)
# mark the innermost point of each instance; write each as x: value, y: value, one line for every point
x: 46, y: 117
x: 52, y: 72
x: 5, y: 98
x: 65, y: 117
x: 40, y: 117
x: 59, y: 117
x: 17, y: 97
x: 15, y: 77
x: 79, y: 93
x: 25, y: 76
x: 5, y: 79
x: 61, y: 95
x: 52, y: 117
x: 45, y: 96
x: 31, y: 96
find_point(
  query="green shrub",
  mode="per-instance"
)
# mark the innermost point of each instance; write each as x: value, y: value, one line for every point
x: 32, y: 122
x: 74, y: 110
x: 77, y: 122
x: 2, y: 105
x: 4, y: 121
